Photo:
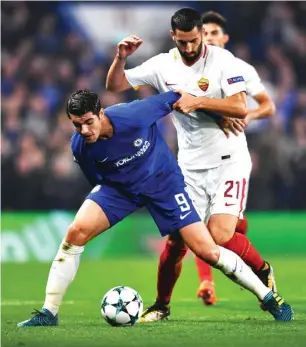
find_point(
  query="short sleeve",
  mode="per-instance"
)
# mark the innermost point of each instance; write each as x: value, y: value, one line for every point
x: 232, y: 79
x: 144, y: 74
x: 253, y: 82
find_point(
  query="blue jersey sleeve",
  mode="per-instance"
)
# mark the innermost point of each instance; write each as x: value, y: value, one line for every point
x: 141, y: 113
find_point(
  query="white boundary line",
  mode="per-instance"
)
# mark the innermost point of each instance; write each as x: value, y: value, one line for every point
x: 29, y: 302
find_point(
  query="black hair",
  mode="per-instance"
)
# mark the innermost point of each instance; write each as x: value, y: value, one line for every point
x: 186, y: 19
x: 83, y: 101
x: 214, y: 17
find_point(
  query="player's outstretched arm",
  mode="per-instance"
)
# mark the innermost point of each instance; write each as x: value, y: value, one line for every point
x: 266, y: 108
x: 233, y: 106
x: 145, y: 112
x: 116, y: 80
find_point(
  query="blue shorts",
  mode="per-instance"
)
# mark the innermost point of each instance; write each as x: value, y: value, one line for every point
x: 167, y: 201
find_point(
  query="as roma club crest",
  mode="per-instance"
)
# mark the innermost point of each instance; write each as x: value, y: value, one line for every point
x: 203, y: 83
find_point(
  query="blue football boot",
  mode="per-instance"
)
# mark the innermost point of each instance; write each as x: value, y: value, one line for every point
x: 42, y: 318
x: 277, y: 306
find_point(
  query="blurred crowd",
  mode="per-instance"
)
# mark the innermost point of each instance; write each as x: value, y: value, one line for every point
x: 44, y: 60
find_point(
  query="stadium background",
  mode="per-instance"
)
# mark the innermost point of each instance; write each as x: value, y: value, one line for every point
x: 50, y: 49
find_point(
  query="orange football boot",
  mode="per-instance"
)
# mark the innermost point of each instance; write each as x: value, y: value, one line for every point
x: 207, y: 293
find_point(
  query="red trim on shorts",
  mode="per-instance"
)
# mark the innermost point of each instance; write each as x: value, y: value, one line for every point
x: 242, y: 195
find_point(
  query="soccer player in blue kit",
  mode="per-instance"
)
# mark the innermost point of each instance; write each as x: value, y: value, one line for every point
x: 126, y: 160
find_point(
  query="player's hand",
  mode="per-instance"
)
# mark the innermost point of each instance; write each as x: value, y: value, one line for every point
x: 128, y: 46
x: 231, y: 125
x: 186, y: 104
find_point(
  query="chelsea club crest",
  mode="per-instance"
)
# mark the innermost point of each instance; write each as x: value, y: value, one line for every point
x: 138, y: 142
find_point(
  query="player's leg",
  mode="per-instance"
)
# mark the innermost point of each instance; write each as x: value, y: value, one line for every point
x: 198, y: 239
x: 206, y: 291
x: 242, y: 226
x: 89, y: 221
x: 195, y: 181
x: 163, y: 205
x: 94, y: 217
x: 228, y: 200
x: 169, y: 269
x: 172, y: 209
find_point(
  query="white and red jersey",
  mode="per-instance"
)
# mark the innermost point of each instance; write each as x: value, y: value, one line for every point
x: 254, y: 86
x: 217, y: 74
x: 252, y: 80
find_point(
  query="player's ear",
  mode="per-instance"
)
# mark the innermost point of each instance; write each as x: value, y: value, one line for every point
x: 101, y: 113
x: 172, y: 35
x: 225, y: 39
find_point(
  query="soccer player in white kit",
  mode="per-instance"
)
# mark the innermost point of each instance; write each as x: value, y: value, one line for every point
x: 216, y: 167
x: 215, y: 33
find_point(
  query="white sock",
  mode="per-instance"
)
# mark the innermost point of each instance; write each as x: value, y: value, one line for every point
x: 62, y: 272
x: 237, y: 270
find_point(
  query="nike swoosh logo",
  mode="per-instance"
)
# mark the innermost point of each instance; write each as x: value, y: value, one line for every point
x: 102, y: 161
x: 235, y: 268
x: 227, y: 204
x: 183, y: 216
x: 171, y: 84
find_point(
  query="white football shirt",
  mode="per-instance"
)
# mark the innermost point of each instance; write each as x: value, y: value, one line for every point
x: 253, y: 82
x: 217, y: 74
x: 254, y: 86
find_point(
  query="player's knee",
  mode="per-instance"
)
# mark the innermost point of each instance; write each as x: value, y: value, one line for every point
x: 78, y: 234
x: 175, y: 241
x: 221, y: 233
x: 210, y: 256
x: 242, y: 226
x: 175, y: 248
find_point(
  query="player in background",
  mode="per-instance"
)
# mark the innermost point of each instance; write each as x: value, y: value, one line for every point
x: 216, y: 168
x: 214, y: 25
x: 126, y: 160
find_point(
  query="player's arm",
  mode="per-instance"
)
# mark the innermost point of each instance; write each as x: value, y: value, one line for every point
x: 233, y: 88
x: 256, y: 89
x: 233, y: 106
x: 118, y: 79
x: 265, y: 109
x: 147, y: 111
x: 142, y: 113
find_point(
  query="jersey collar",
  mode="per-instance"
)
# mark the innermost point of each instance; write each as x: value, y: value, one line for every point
x: 204, y: 48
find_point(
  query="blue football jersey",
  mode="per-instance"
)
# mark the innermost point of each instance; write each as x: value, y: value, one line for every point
x: 135, y: 152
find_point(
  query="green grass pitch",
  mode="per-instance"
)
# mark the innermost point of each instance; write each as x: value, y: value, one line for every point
x: 235, y: 321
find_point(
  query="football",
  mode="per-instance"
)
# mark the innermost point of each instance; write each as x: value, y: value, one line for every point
x: 121, y: 306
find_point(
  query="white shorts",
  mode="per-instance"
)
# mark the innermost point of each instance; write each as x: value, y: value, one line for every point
x: 220, y: 190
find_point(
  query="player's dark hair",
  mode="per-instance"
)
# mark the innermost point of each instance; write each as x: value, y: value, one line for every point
x: 214, y: 17
x: 83, y: 101
x: 186, y: 19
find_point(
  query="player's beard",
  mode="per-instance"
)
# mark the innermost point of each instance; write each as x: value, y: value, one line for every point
x: 191, y: 59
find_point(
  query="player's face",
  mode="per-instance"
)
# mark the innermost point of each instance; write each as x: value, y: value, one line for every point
x: 214, y: 35
x: 89, y: 126
x: 188, y: 43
